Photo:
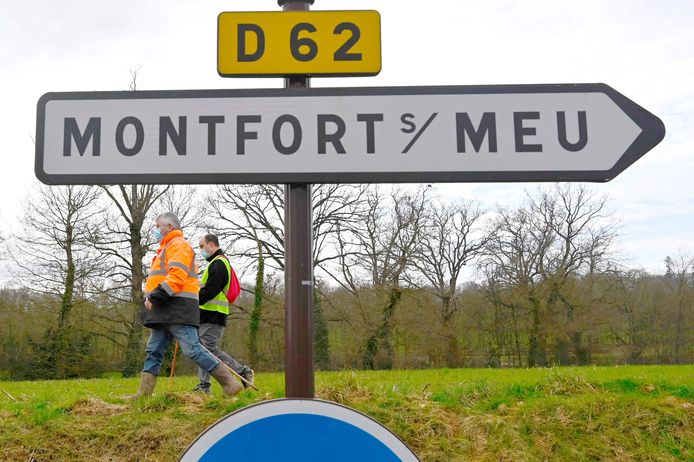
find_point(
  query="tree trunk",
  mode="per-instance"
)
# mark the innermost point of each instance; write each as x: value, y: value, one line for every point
x: 537, y: 353
x: 61, y: 342
x: 320, y: 335
x: 563, y: 350
x: 256, y: 314
x: 516, y: 340
x: 581, y: 349
x: 379, y: 339
x: 680, y: 325
x: 67, y: 300
x: 134, y: 346
x: 452, y: 353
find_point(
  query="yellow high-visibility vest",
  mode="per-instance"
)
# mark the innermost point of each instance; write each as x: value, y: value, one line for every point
x: 219, y: 302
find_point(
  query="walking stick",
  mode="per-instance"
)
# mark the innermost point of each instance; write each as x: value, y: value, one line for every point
x: 239, y: 376
x: 243, y: 380
x: 173, y: 364
x: 173, y: 369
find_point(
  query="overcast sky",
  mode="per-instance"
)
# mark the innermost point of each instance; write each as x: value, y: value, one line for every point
x: 643, y: 49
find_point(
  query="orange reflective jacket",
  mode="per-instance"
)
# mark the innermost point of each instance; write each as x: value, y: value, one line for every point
x: 174, y: 268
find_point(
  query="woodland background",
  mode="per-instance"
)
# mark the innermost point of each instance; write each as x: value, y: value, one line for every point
x: 404, y: 279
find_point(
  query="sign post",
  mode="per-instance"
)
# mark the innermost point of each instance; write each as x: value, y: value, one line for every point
x: 298, y: 269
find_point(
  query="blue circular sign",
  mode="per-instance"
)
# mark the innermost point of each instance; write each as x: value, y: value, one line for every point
x: 305, y: 430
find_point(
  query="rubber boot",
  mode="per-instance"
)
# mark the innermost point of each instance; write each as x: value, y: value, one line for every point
x: 147, y: 383
x: 229, y: 384
x: 249, y: 375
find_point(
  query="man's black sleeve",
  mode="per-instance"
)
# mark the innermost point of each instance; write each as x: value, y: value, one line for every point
x: 217, y: 278
x: 158, y: 296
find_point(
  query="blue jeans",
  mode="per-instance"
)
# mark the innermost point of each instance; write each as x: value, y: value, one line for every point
x: 187, y: 336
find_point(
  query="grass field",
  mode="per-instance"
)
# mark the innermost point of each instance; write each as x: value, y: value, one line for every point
x: 640, y: 413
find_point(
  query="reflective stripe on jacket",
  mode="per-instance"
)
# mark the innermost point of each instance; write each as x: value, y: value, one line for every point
x: 219, y: 302
x: 174, y: 268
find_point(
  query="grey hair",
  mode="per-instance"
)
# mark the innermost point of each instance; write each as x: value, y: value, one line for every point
x: 169, y: 218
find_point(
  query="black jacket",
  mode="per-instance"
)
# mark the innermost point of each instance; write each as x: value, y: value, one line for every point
x: 217, y: 279
x: 170, y: 310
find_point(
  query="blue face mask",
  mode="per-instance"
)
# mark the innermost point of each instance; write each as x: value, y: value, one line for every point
x: 157, y: 235
x: 205, y: 254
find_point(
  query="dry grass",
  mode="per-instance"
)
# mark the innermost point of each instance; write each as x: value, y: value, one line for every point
x: 541, y: 415
x: 95, y: 406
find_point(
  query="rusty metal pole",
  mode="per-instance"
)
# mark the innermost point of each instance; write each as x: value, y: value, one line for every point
x: 298, y: 268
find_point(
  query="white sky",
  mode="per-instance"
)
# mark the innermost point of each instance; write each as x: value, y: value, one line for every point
x: 643, y: 49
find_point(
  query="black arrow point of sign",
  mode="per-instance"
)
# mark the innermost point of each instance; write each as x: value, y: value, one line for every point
x: 652, y: 131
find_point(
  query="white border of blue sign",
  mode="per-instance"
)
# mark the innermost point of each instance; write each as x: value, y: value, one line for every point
x: 265, y: 409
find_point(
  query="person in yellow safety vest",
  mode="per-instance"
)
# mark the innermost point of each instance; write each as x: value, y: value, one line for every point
x: 214, y: 309
x: 171, y: 303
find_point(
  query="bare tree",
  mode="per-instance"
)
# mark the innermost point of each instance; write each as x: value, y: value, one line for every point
x: 55, y: 255
x: 680, y: 278
x: 55, y: 250
x: 633, y: 327
x: 450, y: 239
x: 248, y: 216
x: 185, y: 202
x: 534, y: 253
x: 252, y: 214
x: 376, y: 250
x: 584, y: 234
x: 513, y: 267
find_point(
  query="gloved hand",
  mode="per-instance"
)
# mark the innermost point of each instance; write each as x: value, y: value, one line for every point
x: 157, y: 297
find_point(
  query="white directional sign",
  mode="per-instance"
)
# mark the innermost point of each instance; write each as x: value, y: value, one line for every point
x: 582, y: 132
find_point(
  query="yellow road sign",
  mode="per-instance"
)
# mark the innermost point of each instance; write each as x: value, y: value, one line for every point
x: 315, y: 43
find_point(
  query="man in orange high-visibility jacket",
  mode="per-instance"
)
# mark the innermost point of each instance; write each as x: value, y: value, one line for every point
x: 172, y: 312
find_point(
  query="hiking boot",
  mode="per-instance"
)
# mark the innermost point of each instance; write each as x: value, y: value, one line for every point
x: 202, y: 388
x: 147, y: 383
x: 229, y: 384
x: 249, y: 375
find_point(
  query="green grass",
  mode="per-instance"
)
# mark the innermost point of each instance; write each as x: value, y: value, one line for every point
x: 639, y: 413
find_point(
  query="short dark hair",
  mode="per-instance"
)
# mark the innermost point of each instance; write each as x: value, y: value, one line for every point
x: 212, y: 238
